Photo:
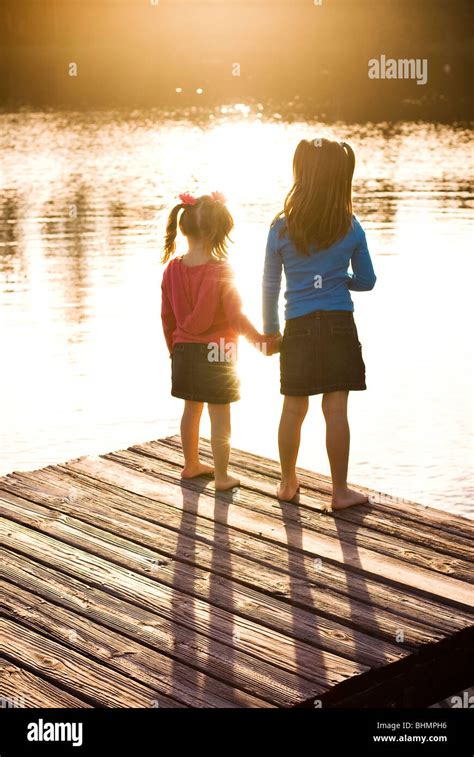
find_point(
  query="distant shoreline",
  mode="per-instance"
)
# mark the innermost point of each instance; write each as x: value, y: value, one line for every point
x: 286, y: 111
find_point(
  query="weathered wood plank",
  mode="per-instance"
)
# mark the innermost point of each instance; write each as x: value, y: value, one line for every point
x: 420, y: 681
x: 163, y: 674
x: 190, y: 646
x: 266, y: 471
x: 357, y: 535
x: 359, y: 600
x: 271, y: 528
x: 410, y: 510
x: 329, y: 633
x: 120, y: 579
x: 263, y: 478
x: 98, y: 684
x: 322, y: 668
x: 21, y: 688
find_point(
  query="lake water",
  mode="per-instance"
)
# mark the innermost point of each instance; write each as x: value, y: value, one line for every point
x: 84, y: 198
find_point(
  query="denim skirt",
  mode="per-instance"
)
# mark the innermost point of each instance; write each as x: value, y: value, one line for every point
x: 196, y: 375
x: 321, y: 352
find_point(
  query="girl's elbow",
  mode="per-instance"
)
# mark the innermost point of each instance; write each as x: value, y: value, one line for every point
x: 371, y: 283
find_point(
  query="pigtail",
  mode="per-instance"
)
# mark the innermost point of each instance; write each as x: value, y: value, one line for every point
x: 171, y: 232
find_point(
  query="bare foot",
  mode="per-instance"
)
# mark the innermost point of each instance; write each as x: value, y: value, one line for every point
x: 288, y: 491
x: 224, y: 484
x: 191, y: 471
x: 349, y: 498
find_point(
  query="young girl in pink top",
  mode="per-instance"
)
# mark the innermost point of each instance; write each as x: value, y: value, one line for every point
x: 202, y: 319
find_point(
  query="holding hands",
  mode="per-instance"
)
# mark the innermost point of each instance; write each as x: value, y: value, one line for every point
x: 269, y: 344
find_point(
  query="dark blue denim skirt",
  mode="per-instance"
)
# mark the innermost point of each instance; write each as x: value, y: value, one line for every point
x: 321, y: 352
x: 196, y: 376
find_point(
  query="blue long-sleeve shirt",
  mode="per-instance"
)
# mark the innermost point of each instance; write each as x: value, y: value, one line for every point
x: 318, y: 281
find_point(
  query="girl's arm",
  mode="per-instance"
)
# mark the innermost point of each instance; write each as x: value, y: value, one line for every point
x: 271, y: 285
x: 168, y: 319
x: 363, y: 278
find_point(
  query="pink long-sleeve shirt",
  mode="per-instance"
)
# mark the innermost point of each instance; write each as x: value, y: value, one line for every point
x: 201, y: 304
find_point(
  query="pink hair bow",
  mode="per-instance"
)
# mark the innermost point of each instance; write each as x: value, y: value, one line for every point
x: 187, y: 199
x: 218, y: 197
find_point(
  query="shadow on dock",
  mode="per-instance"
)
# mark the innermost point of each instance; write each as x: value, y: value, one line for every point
x: 124, y: 586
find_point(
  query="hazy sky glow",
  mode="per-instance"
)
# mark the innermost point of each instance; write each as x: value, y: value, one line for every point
x: 129, y: 52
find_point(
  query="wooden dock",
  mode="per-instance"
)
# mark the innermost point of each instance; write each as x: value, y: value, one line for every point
x: 124, y: 587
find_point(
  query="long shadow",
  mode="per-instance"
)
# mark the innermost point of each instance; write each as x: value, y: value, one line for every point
x: 356, y: 586
x: 182, y: 600
x: 213, y: 626
x: 299, y: 584
x: 221, y: 563
x: 219, y: 630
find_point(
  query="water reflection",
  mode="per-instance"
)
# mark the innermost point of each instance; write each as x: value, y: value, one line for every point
x: 83, y: 204
x: 11, y: 255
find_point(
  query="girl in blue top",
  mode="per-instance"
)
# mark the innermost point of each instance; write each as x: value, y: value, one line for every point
x: 314, y: 240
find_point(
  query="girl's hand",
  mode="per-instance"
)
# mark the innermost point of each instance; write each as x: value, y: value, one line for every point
x: 275, y: 344
x: 270, y: 344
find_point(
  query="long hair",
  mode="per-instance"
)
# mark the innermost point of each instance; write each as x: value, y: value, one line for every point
x: 318, y: 207
x: 207, y: 220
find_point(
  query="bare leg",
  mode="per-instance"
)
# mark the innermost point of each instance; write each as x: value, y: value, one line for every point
x: 289, y: 434
x: 220, y: 443
x: 337, y: 444
x: 190, y: 421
